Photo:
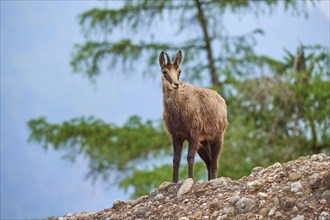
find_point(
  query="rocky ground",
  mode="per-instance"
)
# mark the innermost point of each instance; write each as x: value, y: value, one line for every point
x: 296, y: 190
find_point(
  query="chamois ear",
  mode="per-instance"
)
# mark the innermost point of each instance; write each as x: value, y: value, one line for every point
x: 178, y: 58
x: 162, y: 59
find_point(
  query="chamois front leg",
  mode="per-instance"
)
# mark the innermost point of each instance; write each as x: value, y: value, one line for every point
x: 177, y: 148
x: 193, y: 146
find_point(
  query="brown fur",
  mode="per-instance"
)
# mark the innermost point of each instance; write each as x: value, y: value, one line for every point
x: 195, y: 114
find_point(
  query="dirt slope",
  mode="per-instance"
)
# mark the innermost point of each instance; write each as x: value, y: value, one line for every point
x: 296, y: 190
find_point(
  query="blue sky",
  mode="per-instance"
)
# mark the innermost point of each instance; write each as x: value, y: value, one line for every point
x: 36, y: 80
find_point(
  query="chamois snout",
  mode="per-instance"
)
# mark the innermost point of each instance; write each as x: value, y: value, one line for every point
x: 177, y: 85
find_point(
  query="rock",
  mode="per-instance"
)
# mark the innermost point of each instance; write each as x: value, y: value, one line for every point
x: 324, y: 216
x: 216, y: 182
x: 234, y: 200
x: 159, y: 196
x: 286, y: 203
x: 117, y: 204
x: 272, y: 211
x: 222, y: 217
x: 278, y: 215
x: 295, y: 190
x: 294, y: 176
x: 185, y: 187
x: 326, y: 180
x: 140, y: 213
x: 183, y: 218
x: 313, y: 176
x: 165, y: 185
x: 216, y: 204
x: 263, y: 211
x: 296, y: 186
x: 326, y: 196
x: 298, y: 217
x: 262, y: 195
x: 315, y: 183
x: 198, y: 215
x: 276, y: 165
x: 256, y: 170
x: 245, y: 205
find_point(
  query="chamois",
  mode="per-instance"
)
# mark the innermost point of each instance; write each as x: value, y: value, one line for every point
x: 191, y: 113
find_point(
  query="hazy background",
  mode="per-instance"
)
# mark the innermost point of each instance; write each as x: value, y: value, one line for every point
x: 36, y: 80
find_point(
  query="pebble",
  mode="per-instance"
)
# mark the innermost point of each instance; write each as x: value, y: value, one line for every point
x: 185, y: 187
x: 159, y: 196
x: 183, y: 218
x: 262, y: 195
x: 263, y: 211
x: 324, y: 216
x: 298, y: 217
x: 216, y: 182
x: 294, y: 176
x: 234, y: 200
x: 165, y: 185
x: 286, y: 203
x: 296, y: 186
x: 313, y: 176
x: 216, y: 204
x: 117, y: 204
x: 326, y: 180
x: 245, y: 205
x: 272, y: 211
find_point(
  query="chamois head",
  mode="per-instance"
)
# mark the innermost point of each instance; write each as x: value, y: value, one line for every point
x: 171, y: 71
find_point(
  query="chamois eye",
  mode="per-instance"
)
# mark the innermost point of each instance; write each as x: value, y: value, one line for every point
x: 164, y: 72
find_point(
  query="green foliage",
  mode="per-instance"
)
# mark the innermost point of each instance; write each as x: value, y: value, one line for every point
x: 278, y: 109
x: 108, y: 147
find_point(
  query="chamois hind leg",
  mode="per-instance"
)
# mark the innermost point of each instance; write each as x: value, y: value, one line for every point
x: 205, y: 153
x: 216, y: 146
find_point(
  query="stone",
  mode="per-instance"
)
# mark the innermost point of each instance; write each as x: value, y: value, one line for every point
x: 159, y: 196
x: 286, y: 203
x: 228, y: 210
x: 222, y: 217
x: 257, y: 169
x: 234, y: 199
x: 296, y: 186
x: 324, y: 216
x: 215, y: 205
x: 262, y: 195
x: 276, y: 165
x: 315, y: 183
x: 326, y: 196
x: 298, y: 217
x: 117, y: 204
x: 326, y: 180
x: 217, y: 181
x: 279, y: 215
x: 185, y: 187
x: 198, y: 215
x: 313, y: 176
x: 263, y: 211
x: 165, y: 185
x: 294, y: 176
x: 140, y: 213
x: 272, y: 211
x: 183, y: 218
x: 245, y: 205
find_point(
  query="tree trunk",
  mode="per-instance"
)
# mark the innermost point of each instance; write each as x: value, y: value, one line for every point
x: 207, y: 41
